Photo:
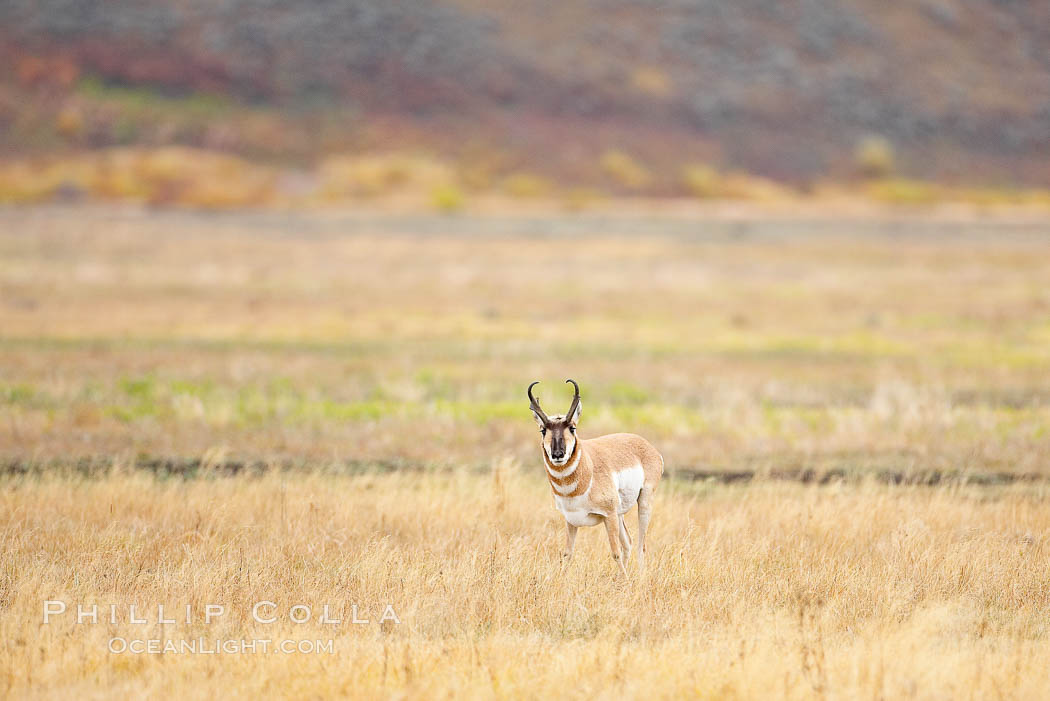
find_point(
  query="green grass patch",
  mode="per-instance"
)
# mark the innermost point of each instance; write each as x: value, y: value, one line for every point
x: 140, y: 99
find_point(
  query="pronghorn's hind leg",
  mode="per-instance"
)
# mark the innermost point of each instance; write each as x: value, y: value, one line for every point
x: 645, y: 512
x: 612, y: 527
x: 625, y: 540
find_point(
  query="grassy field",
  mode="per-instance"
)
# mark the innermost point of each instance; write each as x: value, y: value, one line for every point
x: 772, y: 590
x: 369, y: 371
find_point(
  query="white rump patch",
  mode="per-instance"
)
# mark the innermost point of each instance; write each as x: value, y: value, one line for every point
x: 628, y: 485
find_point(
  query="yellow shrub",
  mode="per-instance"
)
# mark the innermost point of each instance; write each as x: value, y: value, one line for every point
x: 118, y: 176
x: 348, y: 176
x: 213, y: 191
x: 901, y: 191
x: 752, y: 187
x: 702, y: 181
x: 624, y: 170
x: 874, y: 157
x: 446, y: 198
x: 21, y: 183
x: 526, y: 185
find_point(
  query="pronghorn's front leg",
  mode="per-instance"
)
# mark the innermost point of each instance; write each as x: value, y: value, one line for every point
x: 570, y: 540
x: 612, y: 527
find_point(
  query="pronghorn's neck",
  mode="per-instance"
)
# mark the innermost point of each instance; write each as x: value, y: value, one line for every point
x: 572, y: 478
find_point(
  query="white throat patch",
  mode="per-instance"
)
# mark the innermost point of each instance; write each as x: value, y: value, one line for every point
x: 566, y: 489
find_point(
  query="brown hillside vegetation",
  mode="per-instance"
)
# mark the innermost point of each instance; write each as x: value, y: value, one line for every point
x: 788, y: 90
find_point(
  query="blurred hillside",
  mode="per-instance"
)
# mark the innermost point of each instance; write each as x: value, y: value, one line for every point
x: 599, y: 93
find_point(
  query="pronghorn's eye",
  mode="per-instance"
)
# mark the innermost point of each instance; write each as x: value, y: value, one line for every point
x: 543, y: 431
x: 572, y: 429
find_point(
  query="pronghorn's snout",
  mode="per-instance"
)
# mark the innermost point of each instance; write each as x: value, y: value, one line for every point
x: 559, y: 440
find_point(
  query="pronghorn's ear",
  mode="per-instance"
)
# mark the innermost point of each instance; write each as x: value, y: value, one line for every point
x: 539, y: 419
x: 576, y: 414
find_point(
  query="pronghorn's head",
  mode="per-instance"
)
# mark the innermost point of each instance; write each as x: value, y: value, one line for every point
x: 559, y: 432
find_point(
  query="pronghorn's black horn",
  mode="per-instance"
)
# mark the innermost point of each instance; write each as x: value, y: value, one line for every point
x: 575, y: 400
x: 534, y: 403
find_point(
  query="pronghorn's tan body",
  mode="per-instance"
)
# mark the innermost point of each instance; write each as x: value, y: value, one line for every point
x: 604, y: 477
x: 599, y: 480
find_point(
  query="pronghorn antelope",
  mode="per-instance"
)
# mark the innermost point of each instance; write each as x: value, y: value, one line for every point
x: 599, y: 479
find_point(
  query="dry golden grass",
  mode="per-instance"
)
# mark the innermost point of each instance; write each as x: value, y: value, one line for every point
x: 771, y: 591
